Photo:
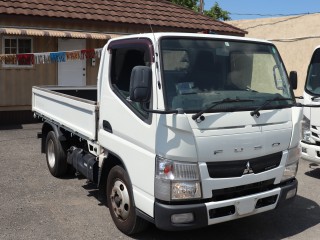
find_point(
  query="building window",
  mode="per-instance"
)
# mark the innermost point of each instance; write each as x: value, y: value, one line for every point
x: 17, y: 45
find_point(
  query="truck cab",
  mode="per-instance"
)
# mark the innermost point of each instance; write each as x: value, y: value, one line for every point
x: 187, y: 130
x: 310, y: 142
x: 231, y: 149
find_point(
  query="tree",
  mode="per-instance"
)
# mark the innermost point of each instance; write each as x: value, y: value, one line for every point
x: 216, y: 12
x: 192, y: 4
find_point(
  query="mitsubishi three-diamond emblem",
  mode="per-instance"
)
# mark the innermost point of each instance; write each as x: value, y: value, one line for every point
x: 248, y: 169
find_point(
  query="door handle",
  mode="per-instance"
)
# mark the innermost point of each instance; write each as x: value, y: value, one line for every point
x: 106, y: 126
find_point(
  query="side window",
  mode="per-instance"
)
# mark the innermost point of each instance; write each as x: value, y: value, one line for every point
x: 123, y: 61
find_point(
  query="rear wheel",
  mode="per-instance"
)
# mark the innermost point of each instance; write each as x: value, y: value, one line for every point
x: 121, y: 204
x: 56, y: 156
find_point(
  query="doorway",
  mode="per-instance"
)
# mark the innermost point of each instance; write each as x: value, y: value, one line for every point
x: 72, y: 73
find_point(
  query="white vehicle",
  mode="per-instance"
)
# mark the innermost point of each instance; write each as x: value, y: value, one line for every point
x: 183, y: 130
x: 310, y: 142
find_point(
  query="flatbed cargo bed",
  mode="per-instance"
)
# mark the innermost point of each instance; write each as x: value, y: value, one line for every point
x: 74, y: 108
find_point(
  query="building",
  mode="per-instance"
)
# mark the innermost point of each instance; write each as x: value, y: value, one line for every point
x: 43, y: 26
x: 295, y: 37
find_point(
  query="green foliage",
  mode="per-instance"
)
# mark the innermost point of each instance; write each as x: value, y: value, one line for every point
x: 192, y: 4
x: 216, y: 12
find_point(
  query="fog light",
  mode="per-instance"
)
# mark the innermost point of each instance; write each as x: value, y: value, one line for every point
x: 291, y: 193
x: 182, y: 218
x: 304, y: 150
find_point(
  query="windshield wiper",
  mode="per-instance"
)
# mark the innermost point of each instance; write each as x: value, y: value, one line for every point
x: 214, y: 104
x: 267, y: 102
x: 315, y: 98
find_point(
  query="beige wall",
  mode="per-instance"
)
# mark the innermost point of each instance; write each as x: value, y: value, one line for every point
x: 16, y: 83
x: 295, y: 37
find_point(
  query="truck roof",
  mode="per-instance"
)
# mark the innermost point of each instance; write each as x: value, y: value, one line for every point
x: 159, y: 35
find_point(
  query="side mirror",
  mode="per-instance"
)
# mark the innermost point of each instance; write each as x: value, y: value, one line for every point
x: 140, y: 84
x: 293, y: 78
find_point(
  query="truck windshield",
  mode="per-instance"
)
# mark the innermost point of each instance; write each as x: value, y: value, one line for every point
x: 313, y: 77
x: 197, y: 72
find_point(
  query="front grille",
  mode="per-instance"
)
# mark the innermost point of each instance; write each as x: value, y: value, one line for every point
x: 240, y: 191
x: 315, y: 134
x: 229, y: 169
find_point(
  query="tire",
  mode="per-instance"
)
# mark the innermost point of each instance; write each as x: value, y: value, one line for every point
x: 55, y: 155
x: 121, y: 204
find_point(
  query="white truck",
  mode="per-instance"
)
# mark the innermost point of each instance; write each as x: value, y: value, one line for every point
x: 310, y: 143
x: 183, y: 130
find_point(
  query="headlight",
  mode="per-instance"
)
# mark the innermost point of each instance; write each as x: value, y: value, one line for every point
x: 290, y: 171
x: 292, y: 163
x: 305, y: 130
x: 306, y: 135
x: 175, y: 180
x: 294, y: 155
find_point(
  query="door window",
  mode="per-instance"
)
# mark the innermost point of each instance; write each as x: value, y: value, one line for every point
x: 124, y: 59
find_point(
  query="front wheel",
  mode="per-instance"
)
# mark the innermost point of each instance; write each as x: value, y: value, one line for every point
x: 121, y: 204
x: 56, y: 156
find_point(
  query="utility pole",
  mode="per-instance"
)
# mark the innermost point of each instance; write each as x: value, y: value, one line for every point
x: 201, y: 6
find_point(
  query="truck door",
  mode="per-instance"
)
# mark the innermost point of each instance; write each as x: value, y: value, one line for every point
x: 125, y: 129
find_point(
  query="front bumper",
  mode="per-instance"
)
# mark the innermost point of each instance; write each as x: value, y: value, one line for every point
x: 209, y: 213
x: 310, y: 152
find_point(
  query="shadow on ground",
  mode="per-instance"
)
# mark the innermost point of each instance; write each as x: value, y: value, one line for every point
x: 10, y: 127
x: 281, y: 223
x: 314, y: 171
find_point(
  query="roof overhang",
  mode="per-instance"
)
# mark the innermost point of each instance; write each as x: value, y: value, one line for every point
x: 54, y: 33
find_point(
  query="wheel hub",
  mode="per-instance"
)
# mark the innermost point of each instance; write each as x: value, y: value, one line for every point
x: 120, y: 200
x: 50, y: 152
